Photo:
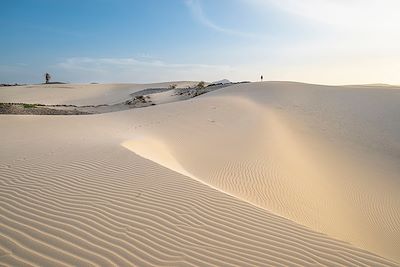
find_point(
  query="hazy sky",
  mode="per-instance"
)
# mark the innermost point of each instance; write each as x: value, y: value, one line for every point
x: 318, y: 41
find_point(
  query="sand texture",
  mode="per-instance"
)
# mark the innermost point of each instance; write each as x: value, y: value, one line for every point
x: 260, y: 174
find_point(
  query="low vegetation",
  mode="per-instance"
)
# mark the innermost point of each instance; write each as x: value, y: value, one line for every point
x: 29, y: 105
x: 141, y: 98
x: 36, y: 109
x: 201, y: 85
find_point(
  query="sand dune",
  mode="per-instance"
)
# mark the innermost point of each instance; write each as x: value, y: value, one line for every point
x: 77, y: 94
x: 272, y: 174
x: 325, y: 157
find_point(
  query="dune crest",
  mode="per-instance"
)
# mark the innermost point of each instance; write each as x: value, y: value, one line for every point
x: 146, y: 146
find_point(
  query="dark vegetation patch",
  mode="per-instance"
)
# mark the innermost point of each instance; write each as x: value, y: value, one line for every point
x: 35, y: 109
x: 9, y: 84
x: 29, y: 105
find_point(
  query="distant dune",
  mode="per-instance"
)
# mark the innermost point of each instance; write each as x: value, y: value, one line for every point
x: 77, y: 94
x: 258, y: 174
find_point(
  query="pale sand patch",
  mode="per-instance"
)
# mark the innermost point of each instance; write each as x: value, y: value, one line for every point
x: 145, y: 147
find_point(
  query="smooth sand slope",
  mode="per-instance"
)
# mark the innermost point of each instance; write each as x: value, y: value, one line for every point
x: 271, y: 174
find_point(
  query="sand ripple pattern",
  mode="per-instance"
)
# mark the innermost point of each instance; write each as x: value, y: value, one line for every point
x: 106, y: 206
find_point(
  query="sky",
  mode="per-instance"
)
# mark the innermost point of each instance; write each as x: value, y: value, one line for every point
x: 314, y: 41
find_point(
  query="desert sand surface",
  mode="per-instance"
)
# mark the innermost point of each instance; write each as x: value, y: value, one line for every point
x: 260, y: 174
x: 77, y: 94
x: 86, y: 99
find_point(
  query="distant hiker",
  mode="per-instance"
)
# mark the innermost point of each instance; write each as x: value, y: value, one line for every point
x: 262, y: 78
x: 47, y: 77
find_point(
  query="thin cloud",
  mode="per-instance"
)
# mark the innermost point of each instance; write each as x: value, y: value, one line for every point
x: 83, y: 62
x: 136, y: 70
x: 354, y: 15
x: 198, y: 13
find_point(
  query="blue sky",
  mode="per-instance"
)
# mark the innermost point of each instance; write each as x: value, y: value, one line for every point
x: 329, y: 41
